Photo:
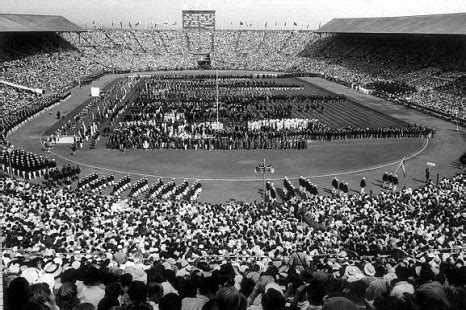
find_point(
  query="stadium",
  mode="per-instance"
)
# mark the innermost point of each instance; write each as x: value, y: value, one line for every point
x: 206, y: 168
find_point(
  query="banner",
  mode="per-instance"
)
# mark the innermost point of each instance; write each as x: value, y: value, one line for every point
x: 95, y: 91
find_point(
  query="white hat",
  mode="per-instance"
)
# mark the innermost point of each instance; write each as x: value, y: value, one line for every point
x: 369, y: 269
x: 53, y: 269
x: 31, y: 274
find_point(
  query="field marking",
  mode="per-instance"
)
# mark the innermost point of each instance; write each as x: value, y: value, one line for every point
x: 226, y: 179
x: 244, y: 179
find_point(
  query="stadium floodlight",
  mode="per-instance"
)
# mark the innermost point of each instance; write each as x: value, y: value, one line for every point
x: 264, y: 167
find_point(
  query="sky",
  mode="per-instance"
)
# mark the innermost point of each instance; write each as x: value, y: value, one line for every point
x: 229, y: 13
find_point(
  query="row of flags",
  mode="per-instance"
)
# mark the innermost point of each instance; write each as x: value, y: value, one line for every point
x: 154, y: 24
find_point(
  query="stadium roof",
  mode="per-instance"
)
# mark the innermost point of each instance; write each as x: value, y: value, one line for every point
x: 35, y: 23
x: 445, y: 24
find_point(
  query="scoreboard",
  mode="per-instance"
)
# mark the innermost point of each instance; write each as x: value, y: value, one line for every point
x: 199, y: 19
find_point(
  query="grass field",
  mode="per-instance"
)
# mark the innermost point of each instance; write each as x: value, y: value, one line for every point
x: 230, y: 174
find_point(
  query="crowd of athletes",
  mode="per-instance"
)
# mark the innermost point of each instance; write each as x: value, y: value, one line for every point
x: 359, y: 252
x: 180, y: 112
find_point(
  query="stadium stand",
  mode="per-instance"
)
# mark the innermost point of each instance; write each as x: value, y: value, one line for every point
x: 70, y: 248
x: 368, y: 260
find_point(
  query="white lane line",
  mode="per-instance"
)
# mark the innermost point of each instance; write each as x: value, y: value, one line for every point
x: 244, y: 179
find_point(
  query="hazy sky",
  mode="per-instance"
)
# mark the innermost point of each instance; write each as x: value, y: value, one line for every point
x: 258, y: 12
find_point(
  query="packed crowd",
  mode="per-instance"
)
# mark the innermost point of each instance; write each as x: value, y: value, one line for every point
x: 45, y: 62
x: 158, y: 50
x: 56, y: 63
x: 95, y: 249
x: 426, y: 71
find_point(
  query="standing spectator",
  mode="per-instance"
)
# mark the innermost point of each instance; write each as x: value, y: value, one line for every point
x: 335, y: 186
x: 385, y: 180
x: 395, y: 182
x: 298, y: 258
x: 363, y: 186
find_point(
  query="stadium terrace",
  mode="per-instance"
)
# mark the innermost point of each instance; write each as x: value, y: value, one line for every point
x: 126, y: 160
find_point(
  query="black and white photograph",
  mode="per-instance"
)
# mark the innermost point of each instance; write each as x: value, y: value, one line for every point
x: 232, y: 154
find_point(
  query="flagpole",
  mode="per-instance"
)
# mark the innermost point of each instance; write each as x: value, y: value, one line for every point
x: 217, y: 98
x: 399, y: 165
x: 456, y: 114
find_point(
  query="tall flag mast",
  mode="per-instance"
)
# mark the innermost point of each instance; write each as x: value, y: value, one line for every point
x: 217, y: 97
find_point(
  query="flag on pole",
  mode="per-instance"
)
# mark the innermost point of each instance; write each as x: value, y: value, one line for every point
x: 402, y: 165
